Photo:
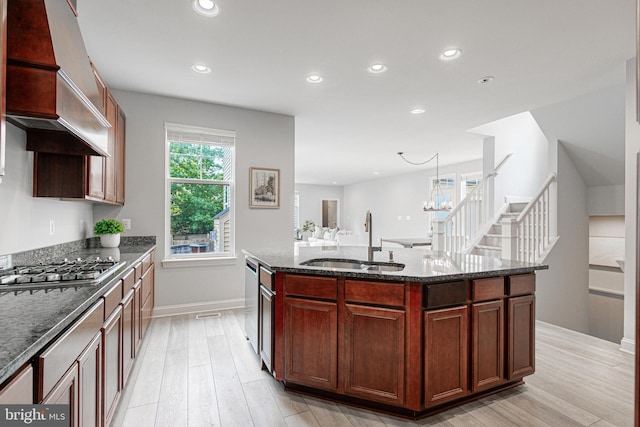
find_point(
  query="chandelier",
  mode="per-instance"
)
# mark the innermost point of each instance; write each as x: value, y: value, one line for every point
x: 436, y: 201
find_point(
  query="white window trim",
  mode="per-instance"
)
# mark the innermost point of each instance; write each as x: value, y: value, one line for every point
x: 199, y: 259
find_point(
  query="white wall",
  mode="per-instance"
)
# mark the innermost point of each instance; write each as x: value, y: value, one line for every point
x: 311, y: 197
x: 605, y: 200
x: 396, y: 202
x: 632, y: 147
x: 25, y: 219
x: 262, y: 140
x: 562, y: 291
x: 528, y: 167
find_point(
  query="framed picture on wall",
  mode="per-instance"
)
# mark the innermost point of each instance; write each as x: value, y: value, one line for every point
x: 264, y: 190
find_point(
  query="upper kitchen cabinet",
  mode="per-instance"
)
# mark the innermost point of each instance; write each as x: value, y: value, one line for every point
x: 54, y: 93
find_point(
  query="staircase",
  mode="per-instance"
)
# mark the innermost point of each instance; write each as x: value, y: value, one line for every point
x: 490, y: 243
x: 521, y: 230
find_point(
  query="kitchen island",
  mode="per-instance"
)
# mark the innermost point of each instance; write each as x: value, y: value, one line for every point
x: 411, y: 335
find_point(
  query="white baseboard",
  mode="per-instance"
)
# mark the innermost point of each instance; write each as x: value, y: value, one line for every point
x: 628, y: 346
x: 173, y: 310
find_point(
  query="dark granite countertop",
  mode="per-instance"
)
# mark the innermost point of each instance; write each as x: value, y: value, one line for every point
x: 421, y: 265
x: 30, y: 320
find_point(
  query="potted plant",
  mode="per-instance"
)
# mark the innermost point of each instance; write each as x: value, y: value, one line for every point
x: 307, y: 229
x: 109, y: 231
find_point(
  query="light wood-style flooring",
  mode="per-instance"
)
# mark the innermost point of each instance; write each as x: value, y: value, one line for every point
x: 202, y: 372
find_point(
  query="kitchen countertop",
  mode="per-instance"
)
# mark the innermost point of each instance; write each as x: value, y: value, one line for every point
x: 421, y: 265
x: 29, y: 321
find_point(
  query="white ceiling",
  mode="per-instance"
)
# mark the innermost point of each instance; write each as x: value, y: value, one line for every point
x: 353, y: 123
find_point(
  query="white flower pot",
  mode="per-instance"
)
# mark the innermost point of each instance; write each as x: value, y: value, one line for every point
x: 110, y: 240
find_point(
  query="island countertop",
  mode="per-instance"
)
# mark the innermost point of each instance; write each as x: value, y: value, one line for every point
x: 421, y: 265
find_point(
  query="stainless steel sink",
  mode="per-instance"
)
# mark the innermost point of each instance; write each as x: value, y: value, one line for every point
x: 349, y: 264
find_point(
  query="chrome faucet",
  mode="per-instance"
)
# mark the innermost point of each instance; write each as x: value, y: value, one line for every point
x: 368, y: 227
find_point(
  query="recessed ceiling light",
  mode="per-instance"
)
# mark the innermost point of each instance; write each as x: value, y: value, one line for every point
x: 485, y: 80
x: 417, y: 111
x: 334, y: 183
x: 314, y: 78
x: 377, y: 68
x: 206, y: 8
x: 449, y: 54
x: 200, y: 69
x: 376, y: 173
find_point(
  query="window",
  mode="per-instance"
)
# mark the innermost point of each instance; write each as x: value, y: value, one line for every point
x: 468, y: 183
x: 200, y: 176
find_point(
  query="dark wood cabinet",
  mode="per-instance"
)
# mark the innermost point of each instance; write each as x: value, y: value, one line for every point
x: 110, y: 163
x: 487, y: 326
x: 128, y: 334
x: 120, y: 163
x: 90, y: 384
x: 521, y: 328
x: 389, y: 344
x: 19, y: 389
x: 112, y: 363
x: 66, y: 392
x: 75, y: 175
x: 446, y: 354
x: 146, y: 295
x: 374, y: 362
x: 311, y: 338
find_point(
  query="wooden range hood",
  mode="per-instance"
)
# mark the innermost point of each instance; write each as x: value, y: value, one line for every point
x: 50, y: 88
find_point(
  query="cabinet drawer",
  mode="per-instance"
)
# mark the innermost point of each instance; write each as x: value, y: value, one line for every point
x: 439, y: 295
x: 19, y: 390
x: 56, y: 360
x: 311, y: 286
x: 112, y: 299
x: 391, y: 294
x: 266, y: 278
x: 138, y: 272
x: 487, y: 289
x: 147, y: 283
x: 522, y: 284
x: 146, y: 263
x: 128, y: 281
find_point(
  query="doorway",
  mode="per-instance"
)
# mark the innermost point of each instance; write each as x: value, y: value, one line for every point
x: 330, y: 213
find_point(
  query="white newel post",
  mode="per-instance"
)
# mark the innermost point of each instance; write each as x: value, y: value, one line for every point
x: 437, y: 239
x: 509, y: 239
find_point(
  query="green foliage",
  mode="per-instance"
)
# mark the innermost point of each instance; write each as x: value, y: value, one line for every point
x: 308, y: 225
x: 193, y: 206
x: 108, y: 226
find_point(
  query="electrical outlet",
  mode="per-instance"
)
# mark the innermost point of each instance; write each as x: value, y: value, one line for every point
x: 52, y: 227
x: 127, y: 224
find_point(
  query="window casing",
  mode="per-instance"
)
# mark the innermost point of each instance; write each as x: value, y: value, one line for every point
x: 199, y: 208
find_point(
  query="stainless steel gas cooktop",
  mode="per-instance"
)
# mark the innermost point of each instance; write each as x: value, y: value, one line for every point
x: 56, y: 274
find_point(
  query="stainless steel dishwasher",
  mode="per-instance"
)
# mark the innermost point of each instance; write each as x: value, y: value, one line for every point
x: 251, y: 291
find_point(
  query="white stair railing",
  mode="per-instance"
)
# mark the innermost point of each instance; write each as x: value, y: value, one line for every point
x: 530, y: 237
x: 465, y: 222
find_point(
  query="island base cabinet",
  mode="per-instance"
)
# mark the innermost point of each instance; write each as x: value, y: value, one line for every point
x: 446, y: 355
x: 374, y: 353
x: 310, y: 343
x: 521, y: 336
x: 487, y: 324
